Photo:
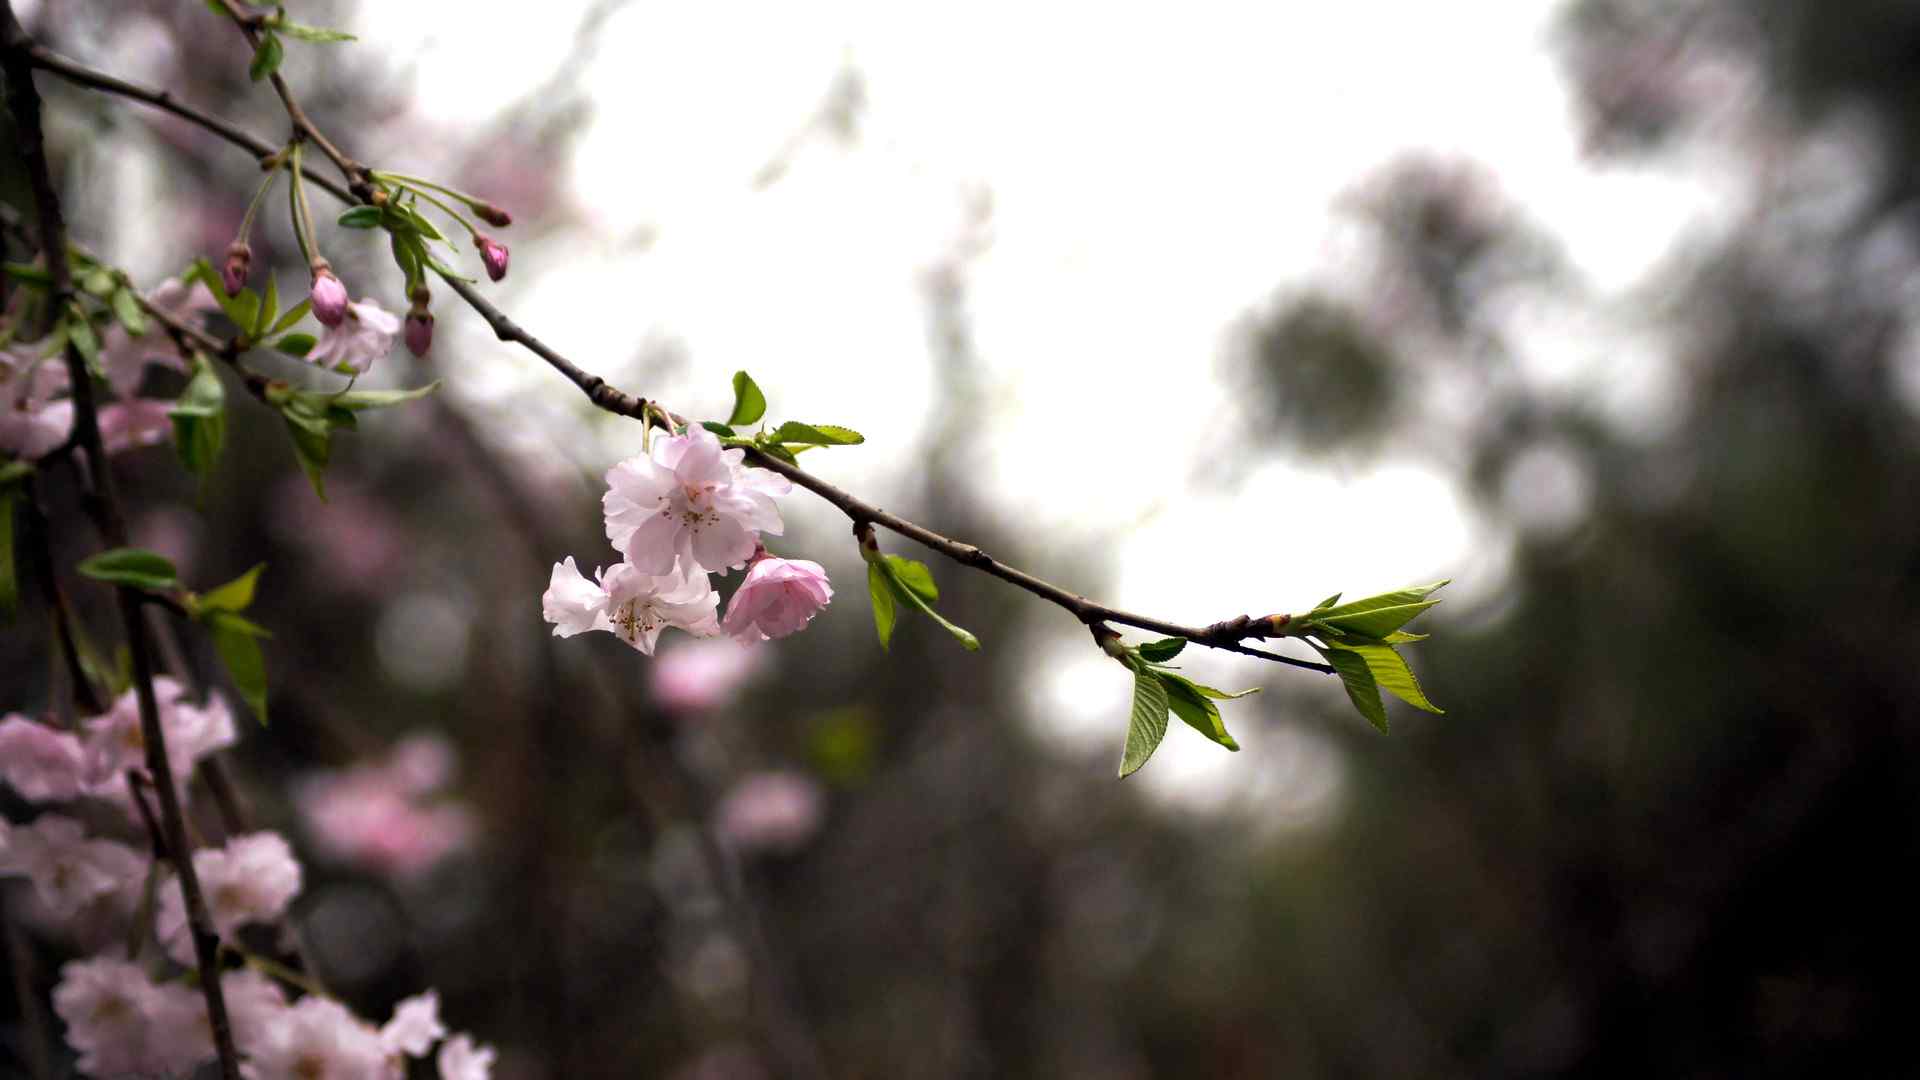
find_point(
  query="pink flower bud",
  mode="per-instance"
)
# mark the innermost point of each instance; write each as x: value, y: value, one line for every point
x: 492, y: 215
x: 239, y: 261
x: 329, y: 296
x: 419, y: 333
x: 493, y: 253
x: 779, y: 597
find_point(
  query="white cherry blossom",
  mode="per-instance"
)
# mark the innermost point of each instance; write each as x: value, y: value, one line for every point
x: 691, y: 501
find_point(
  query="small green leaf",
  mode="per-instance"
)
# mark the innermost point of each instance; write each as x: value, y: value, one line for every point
x: 80, y: 334
x: 1362, y: 689
x: 315, y: 34
x: 749, y: 404
x: 1328, y: 602
x: 99, y: 282
x: 313, y: 446
x: 778, y: 451
x: 1200, y: 713
x: 126, y: 308
x: 10, y: 495
x: 1147, y: 723
x: 296, y: 344
x: 200, y: 420
x: 266, y: 58
x: 242, y: 308
x: 1391, y: 672
x: 360, y: 217
x: 915, y: 576
x: 292, y: 315
x: 234, y: 638
x: 1397, y: 598
x: 1165, y: 649
x: 357, y: 400
x: 909, y: 596
x: 815, y: 435
x: 269, y: 307
x: 236, y: 595
x: 28, y: 275
x: 1375, y: 622
x: 881, y: 592
x: 134, y: 567
x: 717, y: 428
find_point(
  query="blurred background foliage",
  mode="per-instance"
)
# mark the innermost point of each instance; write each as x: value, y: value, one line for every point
x: 1660, y: 830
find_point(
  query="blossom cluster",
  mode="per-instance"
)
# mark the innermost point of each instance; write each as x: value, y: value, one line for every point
x: 36, y: 415
x: 689, y: 509
x: 120, y: 1019
x: 378, y: 815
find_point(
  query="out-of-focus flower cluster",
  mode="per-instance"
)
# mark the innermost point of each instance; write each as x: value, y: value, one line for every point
x: 378, y: 815
x: 689, y: 509
x: 139, y: 1014
x: 36, y: 416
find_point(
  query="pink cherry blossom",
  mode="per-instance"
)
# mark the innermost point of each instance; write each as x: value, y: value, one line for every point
x: 136, y: 422
x: 771, y: 811
x: 124, y: 358
x: 329, y: 296
x: 702, y: 675
x: 415, y: 1026
x: 68, y: 870
x: 778, y: 597
x: 115, y: 741
x: 31, y: 422
x: 368, y: 815
x: 629, y: 603
x: 40, y: 762
x: 460, y: 1059
x: 691, y: 501
x: 350, y: 344
x: 250, y: 880
x: 318, y: 1038
x: 106, y: 1005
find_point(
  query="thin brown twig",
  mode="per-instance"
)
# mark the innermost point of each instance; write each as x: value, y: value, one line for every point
x: 1227, y: 634
x: 23, y: 101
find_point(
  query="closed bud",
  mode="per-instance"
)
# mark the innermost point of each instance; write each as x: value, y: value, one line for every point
x: 419, y: 329
x: 239, y: 260
x: 493, y: 254
x: 328, y: 294
x: 492, y: 215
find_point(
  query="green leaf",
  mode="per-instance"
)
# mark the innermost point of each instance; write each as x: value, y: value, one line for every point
x: 269, y: 307
x: 241, y: 309
x: 778, y: 451
x: 881, y: 592
x: 99, y: 282
x: 1328, y: 602
x: 815, y: 434
x: 27, y: 274
x: 360, y: 217
x: 266, y: 58
x: 1391, y: 672
x: 1200, y: 713
x: 313, y: 446
x: 80, y: 334
x: 717, y: 428
x: 296, y: 344
x: 236, y: 595
x: 1362, y: 689
x: 200, y: 420
x: 292, y: 315
x: 1397, y: 598
x: 914, y: 575
x: 1165, y: 649
x: 1376, y: 622
x: 1147, y: 723
x: 9, y: 580
x: 234, y: 638
x: 357, y: 400
x: 135, y: 567
x: 126, y: 308
x: 908, y: 595
x: 749, y: 404
x: 316, y: 35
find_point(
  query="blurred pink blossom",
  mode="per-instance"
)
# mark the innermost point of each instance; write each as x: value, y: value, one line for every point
x: 40, y: 762
x: 771, y: 811
x: 701, y: 675
x: 371, y: 814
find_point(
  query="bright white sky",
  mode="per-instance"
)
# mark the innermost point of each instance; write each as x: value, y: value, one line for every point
x: 1152, y: 178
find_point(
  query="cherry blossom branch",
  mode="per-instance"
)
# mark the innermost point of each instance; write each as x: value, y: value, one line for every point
x: 1227, y: 634
x: 358, y: 180
x: 23, y: 101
